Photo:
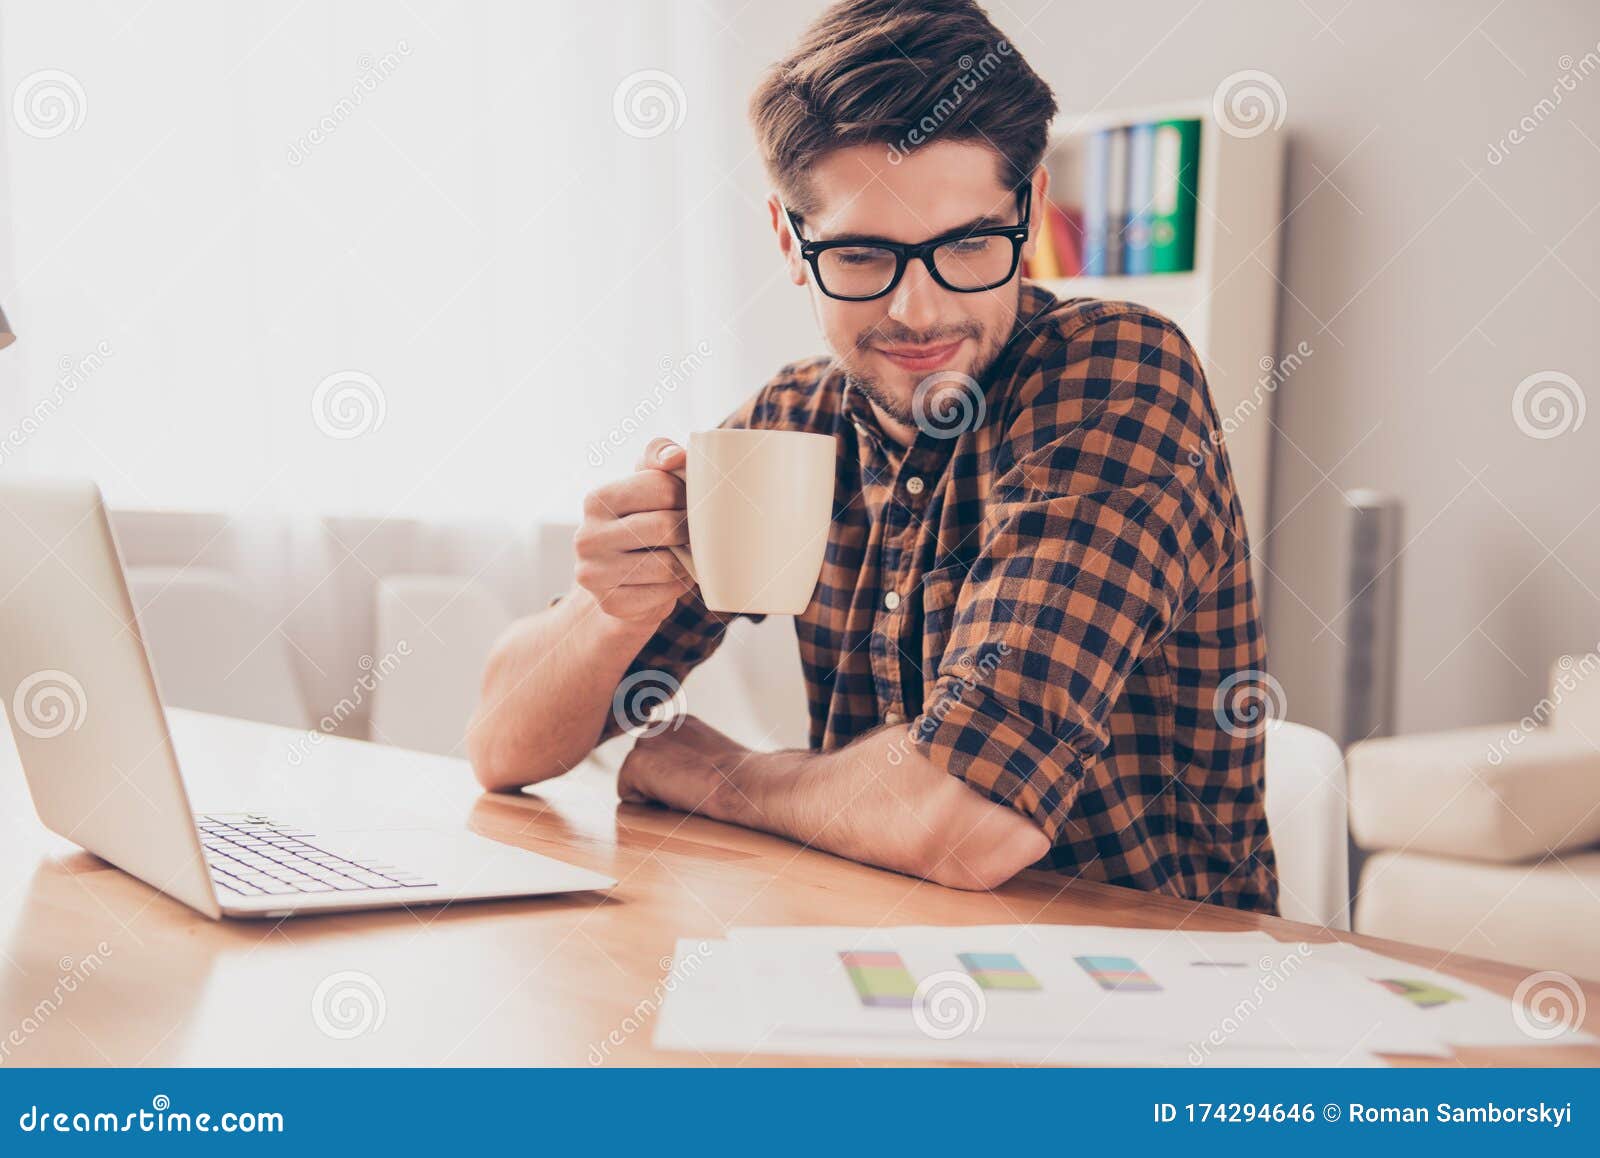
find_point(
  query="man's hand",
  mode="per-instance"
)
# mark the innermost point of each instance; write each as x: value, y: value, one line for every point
x: 690, y: 767
x: 623, y: 559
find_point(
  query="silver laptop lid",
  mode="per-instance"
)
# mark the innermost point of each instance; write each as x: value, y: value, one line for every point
x: 79, y: 691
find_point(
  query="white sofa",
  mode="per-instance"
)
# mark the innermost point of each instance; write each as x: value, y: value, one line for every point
x: 1487, y: 840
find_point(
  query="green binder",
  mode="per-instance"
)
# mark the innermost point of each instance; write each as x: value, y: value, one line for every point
x: 1177, y: 169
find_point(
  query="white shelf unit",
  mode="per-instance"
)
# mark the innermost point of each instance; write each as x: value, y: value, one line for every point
x: 1228, y: 304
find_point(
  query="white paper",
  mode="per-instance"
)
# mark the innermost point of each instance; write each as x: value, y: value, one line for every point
x: 754, y: 994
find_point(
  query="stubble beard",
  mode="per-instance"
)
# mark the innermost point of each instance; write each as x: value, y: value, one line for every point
x: 899, y: 408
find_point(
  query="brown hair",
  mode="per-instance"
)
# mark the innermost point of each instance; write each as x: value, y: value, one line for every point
x: 899, y: 73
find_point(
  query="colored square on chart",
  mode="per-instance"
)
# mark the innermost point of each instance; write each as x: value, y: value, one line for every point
x: 880, y: 976
x: 873, y: 958
x: 1421, y: 993
x: 998, y: 971
x: 1119, y: 973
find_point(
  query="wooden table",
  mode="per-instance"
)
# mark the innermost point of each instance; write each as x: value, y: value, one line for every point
x: 535, y: 982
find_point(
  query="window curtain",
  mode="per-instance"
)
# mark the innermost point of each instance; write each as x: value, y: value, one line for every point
x: 339, y: 279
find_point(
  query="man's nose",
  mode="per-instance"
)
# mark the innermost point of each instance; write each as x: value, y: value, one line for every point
x: 915, y: 301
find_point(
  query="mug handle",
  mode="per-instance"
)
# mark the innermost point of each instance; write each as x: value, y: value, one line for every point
x: 682, y: 552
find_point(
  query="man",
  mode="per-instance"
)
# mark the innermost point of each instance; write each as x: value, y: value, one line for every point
x: 1037, y: 590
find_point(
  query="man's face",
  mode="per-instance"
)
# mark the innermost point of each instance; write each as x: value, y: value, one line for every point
x: 890, y: 345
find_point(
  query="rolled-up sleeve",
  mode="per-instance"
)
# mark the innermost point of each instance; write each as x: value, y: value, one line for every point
x: 1110, y: 520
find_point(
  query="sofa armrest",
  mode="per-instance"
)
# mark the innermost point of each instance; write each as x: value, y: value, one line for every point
x: 1491, y: 794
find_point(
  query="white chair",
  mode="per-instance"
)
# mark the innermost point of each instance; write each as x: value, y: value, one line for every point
x: 213, y: 650
x: 1309, y: 819
x: 753, y: 689
x: 552, y: 560
x: 434, y: 633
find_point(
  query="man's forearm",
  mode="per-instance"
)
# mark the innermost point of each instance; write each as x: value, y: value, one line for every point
x: 547, y: 690
x: 880, y: 801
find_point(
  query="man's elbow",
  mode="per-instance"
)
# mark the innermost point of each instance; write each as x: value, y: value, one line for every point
x: 499, y: 762
x: 982, y: 853
x: 989, y: 868
x: 494, y: 772
x: 503, y: 762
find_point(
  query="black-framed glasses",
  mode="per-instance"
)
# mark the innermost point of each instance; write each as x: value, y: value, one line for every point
x: 967, y: 261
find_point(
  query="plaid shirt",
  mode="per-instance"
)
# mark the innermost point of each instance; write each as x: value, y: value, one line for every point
x: 1057, y: 600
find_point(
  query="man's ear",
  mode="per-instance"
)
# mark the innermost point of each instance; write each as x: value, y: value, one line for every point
x: 1041, y: 188
x: 786, y: 241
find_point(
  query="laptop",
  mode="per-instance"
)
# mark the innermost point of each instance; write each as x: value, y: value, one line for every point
x: 102, y: 766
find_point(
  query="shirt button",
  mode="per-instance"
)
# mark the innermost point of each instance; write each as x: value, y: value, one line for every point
x: 892, y: 600
x: 893, y: 718
x: 914, y: 484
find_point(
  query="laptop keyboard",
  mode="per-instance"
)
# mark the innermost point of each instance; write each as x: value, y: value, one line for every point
x: 254, y: 855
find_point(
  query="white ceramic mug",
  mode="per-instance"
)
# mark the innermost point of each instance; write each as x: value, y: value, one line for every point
x: 760, y: 504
